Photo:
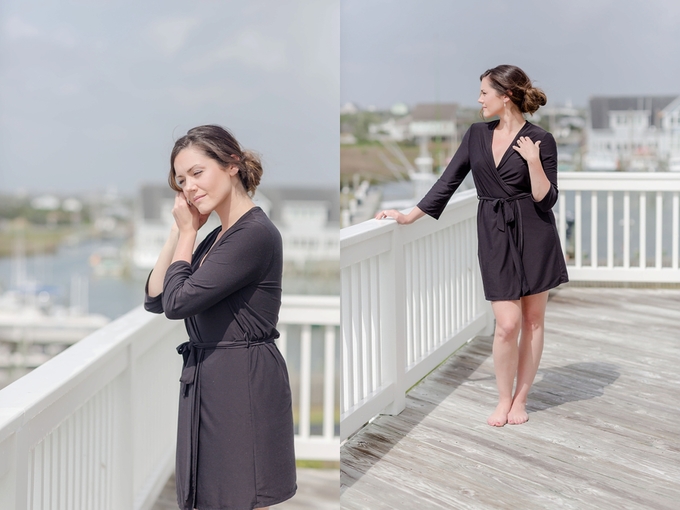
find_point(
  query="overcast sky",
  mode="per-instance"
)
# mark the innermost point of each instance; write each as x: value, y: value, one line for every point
x: 428, y: 50
x: 94, y: 93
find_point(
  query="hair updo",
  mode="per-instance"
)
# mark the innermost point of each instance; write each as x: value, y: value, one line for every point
x: 511, y: 81
x: 219, y: 144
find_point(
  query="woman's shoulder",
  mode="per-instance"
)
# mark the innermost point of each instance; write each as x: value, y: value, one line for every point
x: 537, y: 131
x: 258, y: 224
x: 479, y: 128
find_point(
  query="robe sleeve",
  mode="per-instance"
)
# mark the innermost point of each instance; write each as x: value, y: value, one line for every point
x: 434, y: 202
x: 548, y: 153
x: 234, y: 263
x: 152, y: 304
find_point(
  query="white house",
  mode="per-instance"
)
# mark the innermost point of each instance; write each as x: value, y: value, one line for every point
x: 433, y: 120
x: 308, y: 219
x: 632, y: 132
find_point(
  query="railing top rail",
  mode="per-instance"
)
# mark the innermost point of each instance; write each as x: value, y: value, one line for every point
x: 367, y: 229
x: 40, y: 388
x: 619, y: 181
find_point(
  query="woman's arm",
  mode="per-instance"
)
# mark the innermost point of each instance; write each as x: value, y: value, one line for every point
x: 434, y: 202
x: 234, y: 262
x: 541, y: 158
x: 402, y: 219
x: 155, y: 284
x: 178, y: 246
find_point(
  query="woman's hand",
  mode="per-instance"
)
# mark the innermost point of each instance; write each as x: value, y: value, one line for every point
x: 527, y: 149
x: 393, y: 214
x: 187, y: 217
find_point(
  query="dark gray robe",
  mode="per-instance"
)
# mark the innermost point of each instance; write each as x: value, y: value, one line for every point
x: 518, y: 245
x: 235, y: 428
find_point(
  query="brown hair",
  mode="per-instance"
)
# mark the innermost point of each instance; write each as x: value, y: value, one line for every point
x: 511, y: 81
x: 219, y: 144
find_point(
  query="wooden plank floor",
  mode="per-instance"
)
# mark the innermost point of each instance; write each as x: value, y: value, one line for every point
x: 318, y: 489
x: 603, y: 429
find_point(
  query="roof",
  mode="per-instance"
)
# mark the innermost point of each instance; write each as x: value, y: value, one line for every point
x: 601, y: 106
x: 278, y: 195
x: 434, y: 111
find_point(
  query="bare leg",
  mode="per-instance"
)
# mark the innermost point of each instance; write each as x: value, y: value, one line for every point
x: 530, y: 350
x: 505, y: 356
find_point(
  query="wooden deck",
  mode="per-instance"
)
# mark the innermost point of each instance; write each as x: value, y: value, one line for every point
x: 603, y: 430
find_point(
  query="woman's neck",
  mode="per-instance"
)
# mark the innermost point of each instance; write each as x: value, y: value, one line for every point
x: 511, y: 121
x: 233, y: 208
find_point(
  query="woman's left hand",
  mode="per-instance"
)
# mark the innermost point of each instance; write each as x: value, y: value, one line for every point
x: 527, y: 149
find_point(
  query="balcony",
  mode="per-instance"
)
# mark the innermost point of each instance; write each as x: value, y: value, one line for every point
x: 95, y: 426
x: 603, y: 409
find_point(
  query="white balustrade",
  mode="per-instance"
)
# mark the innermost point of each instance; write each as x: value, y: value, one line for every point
x: 411, y: 295
x: 606, y: 248
x: 94, y: 427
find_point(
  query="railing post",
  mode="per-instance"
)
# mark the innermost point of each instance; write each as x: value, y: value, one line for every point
x: 393, y: 321
x: 123, y: 439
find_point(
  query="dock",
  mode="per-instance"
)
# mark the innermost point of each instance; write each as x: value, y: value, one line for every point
x: 603, y: 429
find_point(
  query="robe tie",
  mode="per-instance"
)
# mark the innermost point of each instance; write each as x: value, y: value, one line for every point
x: 193, y: 354
x: 507, y: 215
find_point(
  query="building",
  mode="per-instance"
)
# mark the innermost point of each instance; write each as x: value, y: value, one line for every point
x: 632, y: 132
x: 308, y: 219
x: 433, y: 121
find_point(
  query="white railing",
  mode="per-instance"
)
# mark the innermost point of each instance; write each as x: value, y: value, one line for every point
x: 411, y: 295
x: 633, y: 237
x: 94, y: 427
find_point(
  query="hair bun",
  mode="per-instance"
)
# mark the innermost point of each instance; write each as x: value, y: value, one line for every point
x: 251, y: 172
x: 534, y: 98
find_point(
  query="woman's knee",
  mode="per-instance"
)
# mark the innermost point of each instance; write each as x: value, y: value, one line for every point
x: 507, y: 328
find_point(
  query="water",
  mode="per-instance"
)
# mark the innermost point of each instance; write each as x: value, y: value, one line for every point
x: 115, y: 296
x: 108, y: 296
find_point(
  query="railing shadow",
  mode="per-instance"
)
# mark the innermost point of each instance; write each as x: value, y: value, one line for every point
x: 456, y: 370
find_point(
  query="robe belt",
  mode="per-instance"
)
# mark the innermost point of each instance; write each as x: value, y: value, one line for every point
x: 192, y: 358
x: 508, y: 213
x: 193, y: 354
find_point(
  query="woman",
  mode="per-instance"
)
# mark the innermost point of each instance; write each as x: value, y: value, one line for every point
x: 514, y: 166
x: 235, y: 431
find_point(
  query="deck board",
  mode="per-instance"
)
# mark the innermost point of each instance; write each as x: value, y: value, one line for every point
x: 604, y: 427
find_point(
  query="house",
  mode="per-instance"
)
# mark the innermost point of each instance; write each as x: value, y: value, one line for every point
x: 308, y: 219
x: 632, y: 132
x: 433, y: 120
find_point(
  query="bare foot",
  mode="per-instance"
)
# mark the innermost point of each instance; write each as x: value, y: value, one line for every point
x: 500, y: 416
x: 518, y: 414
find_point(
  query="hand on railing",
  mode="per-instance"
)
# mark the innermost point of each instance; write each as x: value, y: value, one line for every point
x: 402, y: 219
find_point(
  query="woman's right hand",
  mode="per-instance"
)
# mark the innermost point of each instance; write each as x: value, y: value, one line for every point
x: 187, y: 217
x: 393, y: 214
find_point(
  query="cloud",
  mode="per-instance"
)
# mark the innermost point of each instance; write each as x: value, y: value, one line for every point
x: 170, y: 34
x: 250, y: 48
x: 16, y: 28
x: 214, y: 94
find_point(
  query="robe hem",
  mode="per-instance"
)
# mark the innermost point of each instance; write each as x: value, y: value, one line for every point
x: 263, y: 504
x: 531, y: 293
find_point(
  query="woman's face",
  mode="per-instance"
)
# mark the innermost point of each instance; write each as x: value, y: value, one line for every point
x: 492, y: 102
x: 204, y: 182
